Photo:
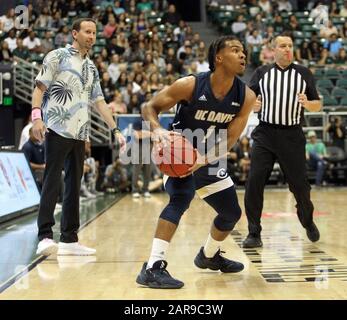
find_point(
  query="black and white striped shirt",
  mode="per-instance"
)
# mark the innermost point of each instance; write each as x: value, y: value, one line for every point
x: 279, y: 90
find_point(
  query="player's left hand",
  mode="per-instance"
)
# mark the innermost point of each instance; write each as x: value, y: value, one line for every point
x: 200, y: 161
x: 302, y: 98
x: 121, y: 140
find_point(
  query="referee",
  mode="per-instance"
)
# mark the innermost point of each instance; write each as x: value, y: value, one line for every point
x: 284, y: 90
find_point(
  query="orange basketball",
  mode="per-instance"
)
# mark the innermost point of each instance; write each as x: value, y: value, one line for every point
x: 176, y: 158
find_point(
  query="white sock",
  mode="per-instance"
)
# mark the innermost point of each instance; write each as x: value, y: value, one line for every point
x: 159, y: 249
x: 211, y: 246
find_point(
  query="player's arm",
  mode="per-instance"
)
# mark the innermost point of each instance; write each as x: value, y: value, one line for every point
x: 234, y: 130
x: 238, y: 124
x: 181, y: 89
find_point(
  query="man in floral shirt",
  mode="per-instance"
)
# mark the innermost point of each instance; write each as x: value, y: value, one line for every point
x: 66, y: 87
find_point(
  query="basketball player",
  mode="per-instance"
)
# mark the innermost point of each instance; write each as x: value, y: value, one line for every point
x: 199, y: 97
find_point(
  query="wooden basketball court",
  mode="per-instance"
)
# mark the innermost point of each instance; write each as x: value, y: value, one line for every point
x: 289, y: 266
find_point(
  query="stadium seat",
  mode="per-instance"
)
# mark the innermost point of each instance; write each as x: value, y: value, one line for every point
x: 343, y: 102
x: 344, y: 73
x: 339, y: 93
x: 341, y: 83
x: 325, y: 83
x: 332, y: 74
x: 329, y: 101
x: 324, y: 92
x: 319, y: 73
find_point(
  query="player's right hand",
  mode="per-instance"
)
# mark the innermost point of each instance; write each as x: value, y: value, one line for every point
x: 257, y: 106
x: 162, y: 137
x: 39, y: 129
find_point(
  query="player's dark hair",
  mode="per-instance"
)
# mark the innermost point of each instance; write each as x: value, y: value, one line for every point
x: 215, y: 47
x: 77, y: 23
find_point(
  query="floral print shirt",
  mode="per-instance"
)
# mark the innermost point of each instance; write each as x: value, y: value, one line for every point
x: 73, y: 85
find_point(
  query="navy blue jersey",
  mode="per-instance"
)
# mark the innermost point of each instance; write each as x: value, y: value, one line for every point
x: 205, y: 111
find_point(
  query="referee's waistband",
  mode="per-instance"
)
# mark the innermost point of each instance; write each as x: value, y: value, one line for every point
x: 278, y: 126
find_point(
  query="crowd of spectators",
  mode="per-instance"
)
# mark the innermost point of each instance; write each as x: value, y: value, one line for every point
x: 143, y: 46
x: 256, y: 21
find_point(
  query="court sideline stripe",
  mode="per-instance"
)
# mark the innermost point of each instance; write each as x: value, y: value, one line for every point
x: 38, y: 260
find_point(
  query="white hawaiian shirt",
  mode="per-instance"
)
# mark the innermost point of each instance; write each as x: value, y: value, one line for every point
x: 73, y: 85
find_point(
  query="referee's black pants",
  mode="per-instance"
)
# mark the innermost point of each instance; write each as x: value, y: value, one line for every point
x: 61, y: 153
x: 287, y: 146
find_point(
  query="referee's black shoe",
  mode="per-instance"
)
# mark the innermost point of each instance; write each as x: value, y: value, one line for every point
x: 252, y: 241
x: 158, y: 277
x: 313, y: 232
x: 217, y: 262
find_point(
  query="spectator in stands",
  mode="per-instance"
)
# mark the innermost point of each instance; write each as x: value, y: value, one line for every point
x: 239, y: 27
x: 21, y: 51
x: 7, y: 21
x: 24, y: 136
x: 57, y: 22
x: 278, y: 23
x: 333, y: 45
x: 144, y: 6
x: 35, y: 153
x: 327, y: 32
x: 265, y: 6
x: 141, y: 159
x: 259, y: 24
x: 284, y: 5
x: 133, y: 107
x: 133, y: 53
x: 117, y: 104
x: 254, y: 44
x: 267, y: 55
x: 154, y: 82
x: 107, y: 86
x: 155, y: 44
x: 44, y: 20
x: 243, y: 151
x: 172, y: 59
x: 315, y: 154
x: 337, y: 132
x: 112, y: 47
x: 11, y: 40
x: 303, y: 53
x: 343, y: 10
x: 111, y: 27
x: 293, y: 24
x: 341, y: 58
x: 117, y: 8
x: 334, y: 10
x: 47, y: 42
x: 6, y: 55
x: 122, y: 80
x: 171, y: 16
x: 343, y: 30
x: 158, y: 61
x: 180, y: 31
x: 33, y: 43
x: 63, y: 37
x: 314, y: 40
x: 202, y: 64
x: 116, y: 177
x: 72, y: 10
x: 113, y: 69
x: 92, y: 176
